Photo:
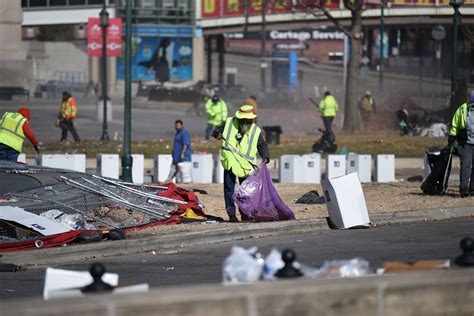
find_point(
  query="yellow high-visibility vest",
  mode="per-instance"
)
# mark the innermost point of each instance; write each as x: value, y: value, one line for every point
x: 11, y: 130
x: 239, y: 156
x: 216, y: 112
x: 328, y: 106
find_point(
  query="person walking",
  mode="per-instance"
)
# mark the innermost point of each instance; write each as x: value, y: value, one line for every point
x: 462, y: 131
x: 66, y: 117
x: 367, y: 106
x: 241, y: 140
x: 216, y: 110
x: 328, y: 108
x: 181, y: 154
x: 14, y: 127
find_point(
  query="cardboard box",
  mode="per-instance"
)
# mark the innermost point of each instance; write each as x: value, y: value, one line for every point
x: 345, y: 201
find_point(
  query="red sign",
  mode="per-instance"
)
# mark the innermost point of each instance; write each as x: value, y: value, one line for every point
x: 114, y: 37
x: 211, y: 8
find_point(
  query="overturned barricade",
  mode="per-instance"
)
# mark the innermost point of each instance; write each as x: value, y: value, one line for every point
x: 88, y: 207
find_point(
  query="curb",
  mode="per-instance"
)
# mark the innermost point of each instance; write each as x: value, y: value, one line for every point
x: 176, y: 241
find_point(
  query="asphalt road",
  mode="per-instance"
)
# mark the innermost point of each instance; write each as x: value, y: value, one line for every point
x: 407, y: 242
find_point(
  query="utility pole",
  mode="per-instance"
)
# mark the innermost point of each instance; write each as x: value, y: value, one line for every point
x: 127, y: 160
x: 263, y: 51
x: 104, y: 23
x: 382, y: 31
x: 454, y: 74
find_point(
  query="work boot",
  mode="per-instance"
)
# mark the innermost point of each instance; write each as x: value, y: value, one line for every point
x: 244, y: 217
x: 464, y: 194
x: 233, y: 219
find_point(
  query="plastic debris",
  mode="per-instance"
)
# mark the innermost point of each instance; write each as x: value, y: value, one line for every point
x: 258, y: 199
x: 355, y: 267
x: 243, y: 265
x: 273, y: 263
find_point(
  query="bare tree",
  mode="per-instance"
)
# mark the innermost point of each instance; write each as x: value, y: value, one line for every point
x: 356, y: 7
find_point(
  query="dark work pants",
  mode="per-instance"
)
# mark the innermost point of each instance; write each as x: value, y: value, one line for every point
x: 229, y: 186
x: 328, y: 125
x: 209, y: 130
x: 466, y: 153
x: 68, y: 125
x: 8, y: 153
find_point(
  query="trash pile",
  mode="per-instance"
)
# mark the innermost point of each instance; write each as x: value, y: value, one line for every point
x: 259, y: 200
x: 248, y: 265
x: 63, y: 206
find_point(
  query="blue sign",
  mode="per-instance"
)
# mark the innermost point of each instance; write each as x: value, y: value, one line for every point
x: 162, y: 53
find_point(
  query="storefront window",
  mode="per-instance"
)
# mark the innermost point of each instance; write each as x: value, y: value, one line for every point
x: 38, y: 3
x: 57, y: 2
x: 77, y: 2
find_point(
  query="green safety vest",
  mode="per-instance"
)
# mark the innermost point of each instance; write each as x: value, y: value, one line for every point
x: 367, y: 104
x: 328, y: 106
x: 11, y: 130
x: 239, y: 156
x: 459, y: 124
x: 216, y: 112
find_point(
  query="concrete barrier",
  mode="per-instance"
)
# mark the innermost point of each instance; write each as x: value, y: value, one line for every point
x: 422, y: 293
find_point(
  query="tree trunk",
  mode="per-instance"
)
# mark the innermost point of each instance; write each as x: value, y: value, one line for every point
x: 351, y: 112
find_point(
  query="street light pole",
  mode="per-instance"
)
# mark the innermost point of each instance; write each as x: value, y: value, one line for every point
x: 127, y: 160
x: 454, y: 72
x: 263, y: 50
x: 104, y: 23
x: 382, y: 31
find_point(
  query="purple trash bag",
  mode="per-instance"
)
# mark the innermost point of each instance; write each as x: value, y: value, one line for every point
x: 258, y: 199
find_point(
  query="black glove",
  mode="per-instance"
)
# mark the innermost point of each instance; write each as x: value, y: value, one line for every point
x: 451, y: 140
x: 216, y: 134
x: 37, y: 149
x: 266, y: 160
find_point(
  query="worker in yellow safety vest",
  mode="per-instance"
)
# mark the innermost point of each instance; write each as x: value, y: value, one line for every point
x: 241, y: 140
x: 216, y: 110
x: 66, y: 116
x: 14, y: 128
x: 462, y: 130
x: 367, y: 106
x: 328, y: 108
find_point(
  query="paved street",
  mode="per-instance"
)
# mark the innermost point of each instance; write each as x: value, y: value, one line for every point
x: 407, y: 242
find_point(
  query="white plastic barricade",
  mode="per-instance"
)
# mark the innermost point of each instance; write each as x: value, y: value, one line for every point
x: 300, y: 169
x: 76, y: 162
x: 108, y: 165
x: 21, y: 158
x: 162, y: 166
x: 335, y: 166
x: 362, y: 164
x: 218, y: 169
x: 345, y: 201
x: 385, y: 168
x: 138, y: 168
x: 290, y: 169
x: 202, y: 168
x: 311, y: 168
